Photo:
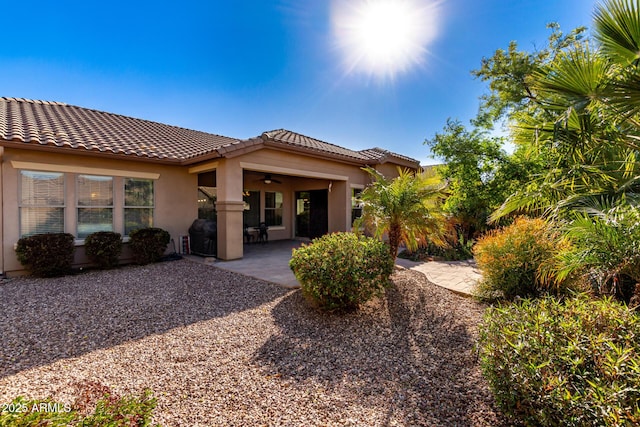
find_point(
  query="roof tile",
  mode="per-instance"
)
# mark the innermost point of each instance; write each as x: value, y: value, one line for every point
x: 61, y: 125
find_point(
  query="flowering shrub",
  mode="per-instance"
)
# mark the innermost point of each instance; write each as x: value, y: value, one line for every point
x: 511, y: 259
x: 341, y: 271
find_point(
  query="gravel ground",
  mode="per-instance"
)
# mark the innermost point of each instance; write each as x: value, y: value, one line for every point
x: 218, y: 348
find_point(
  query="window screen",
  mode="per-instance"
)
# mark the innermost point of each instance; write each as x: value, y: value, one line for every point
x: 41, y: 207
x: 95, y: 204
x: 138, y: 204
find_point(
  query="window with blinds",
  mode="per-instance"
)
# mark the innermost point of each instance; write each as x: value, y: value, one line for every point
x: 138, y: 204
x: 95, y: 204
x: 41, y: 203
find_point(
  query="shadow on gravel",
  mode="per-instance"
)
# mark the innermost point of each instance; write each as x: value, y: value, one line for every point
x: 44, y: 320
x: 414, y: 349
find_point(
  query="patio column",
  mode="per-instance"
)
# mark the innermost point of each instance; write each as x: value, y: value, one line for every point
x: 339, y: 207
x: 229, y: 207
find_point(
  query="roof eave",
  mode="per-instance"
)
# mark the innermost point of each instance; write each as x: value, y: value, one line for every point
x: 87, y: 152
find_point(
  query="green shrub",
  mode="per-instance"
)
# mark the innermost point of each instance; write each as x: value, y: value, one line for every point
x: 46, y: 255
x: 148, y: 244
x: 103, y: 248
x: 457, y: 249
x: 340, y: 271
x: 109, y: 411
x: 511, y: 259
x: 571, y: 363
x: 605, y: 251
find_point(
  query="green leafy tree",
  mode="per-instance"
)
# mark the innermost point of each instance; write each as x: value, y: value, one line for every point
x: 479, y: 172
x: 405, y: 208
x: 584, y: 119
x: 509, y: 74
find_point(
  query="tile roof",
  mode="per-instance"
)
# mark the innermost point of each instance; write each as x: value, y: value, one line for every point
x: 368, y: 156
x: 381, y: 155
x: 57, y: 124
x: 287, y: 137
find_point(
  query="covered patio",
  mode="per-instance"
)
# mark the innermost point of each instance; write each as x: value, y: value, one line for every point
x: 269, y: 262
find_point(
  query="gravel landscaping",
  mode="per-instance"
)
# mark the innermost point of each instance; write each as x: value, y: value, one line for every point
x: 218, y: 348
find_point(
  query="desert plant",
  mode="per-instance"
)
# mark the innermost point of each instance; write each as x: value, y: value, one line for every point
x: 456, y: 245
x: 148, y: 244
x: 341, y: 271
x: 46, y: 255
x: 103, y: 248
x: 572, y: 363
x: 405, y: 208
x: 605, y: 250
x: 511, y: 259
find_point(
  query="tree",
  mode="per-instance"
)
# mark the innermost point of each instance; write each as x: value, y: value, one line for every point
x: 509, y: 73
x: 575, y: 106
x: 406, y: 208
x: 479, y: 172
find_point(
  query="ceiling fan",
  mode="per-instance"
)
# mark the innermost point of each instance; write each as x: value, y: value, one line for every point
x: 268, y: 179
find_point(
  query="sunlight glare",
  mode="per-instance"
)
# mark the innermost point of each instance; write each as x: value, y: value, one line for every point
x: 383, y: 37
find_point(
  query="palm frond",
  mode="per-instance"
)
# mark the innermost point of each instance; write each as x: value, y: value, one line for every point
x: 617, y: 25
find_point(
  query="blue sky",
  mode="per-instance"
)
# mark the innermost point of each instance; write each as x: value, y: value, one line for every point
x: 238, y: 68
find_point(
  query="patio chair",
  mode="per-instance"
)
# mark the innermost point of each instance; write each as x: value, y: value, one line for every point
x: 248, y: 235
x: 263, y: 236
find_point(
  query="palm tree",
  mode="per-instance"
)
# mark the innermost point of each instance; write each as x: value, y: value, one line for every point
x: 587, y: 121
x: 405, y: 208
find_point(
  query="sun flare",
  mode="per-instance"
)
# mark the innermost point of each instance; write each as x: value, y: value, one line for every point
x: 383, y: 37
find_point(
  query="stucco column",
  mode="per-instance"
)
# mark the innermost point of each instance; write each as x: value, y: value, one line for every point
x: 339, y: 207
x: 229, y: 207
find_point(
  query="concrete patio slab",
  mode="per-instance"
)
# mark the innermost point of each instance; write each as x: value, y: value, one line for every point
x: 270, y: 262
x: 457, y: 276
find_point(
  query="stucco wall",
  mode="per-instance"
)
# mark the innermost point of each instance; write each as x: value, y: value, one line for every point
x: 175, y: 194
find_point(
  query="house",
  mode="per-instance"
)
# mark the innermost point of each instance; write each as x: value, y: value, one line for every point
x: 70, y: 169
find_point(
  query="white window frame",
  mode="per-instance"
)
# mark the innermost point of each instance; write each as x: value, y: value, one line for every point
x: 125, y: 206
x: 78, y: 206
x: 22, y: 206
x: 281, y: 208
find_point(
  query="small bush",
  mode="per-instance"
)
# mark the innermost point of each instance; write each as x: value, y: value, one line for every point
x: 571, y: 363
x: 457, y: 249
x: 148, y: 244
x: 103, y: 248
x: 605, y: 251
x: 46, y: 255
x: 341, y: 271
x: 109, y: 411
x: 511, y: 259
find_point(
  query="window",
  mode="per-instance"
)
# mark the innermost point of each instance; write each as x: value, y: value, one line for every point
x: 138, y: 204
x: 207, y: 197
x: 273, y: 208
x: 41, y: 207
x: 251, y: 214
x: 95, y: 204
x: 356, y: 204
